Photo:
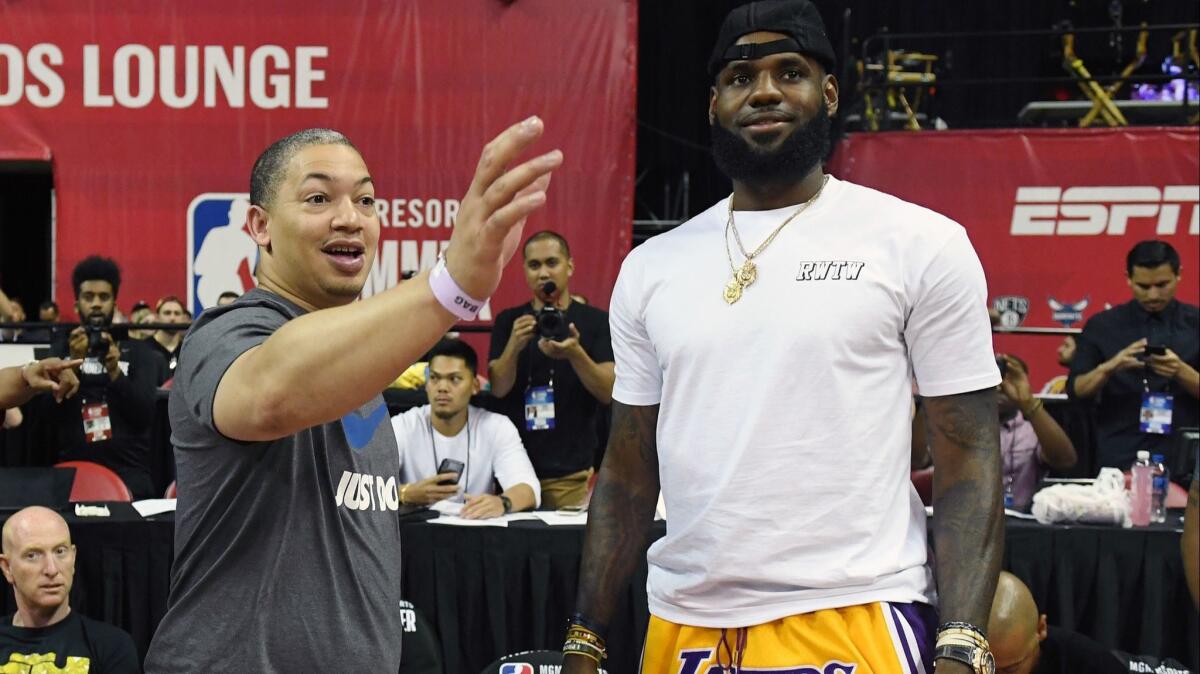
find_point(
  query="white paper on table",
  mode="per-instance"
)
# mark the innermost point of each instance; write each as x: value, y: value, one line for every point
x: 559, y: 518
x: 456, y: 521
x: 447, y: 507
x: 1018, y: 514
x: 154, y: 506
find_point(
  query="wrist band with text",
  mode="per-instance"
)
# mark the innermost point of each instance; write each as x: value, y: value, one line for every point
x: 450, y: 295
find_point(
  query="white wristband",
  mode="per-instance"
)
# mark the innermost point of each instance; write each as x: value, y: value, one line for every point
x: 450, y: 295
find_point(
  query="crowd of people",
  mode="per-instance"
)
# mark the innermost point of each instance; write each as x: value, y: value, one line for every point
x: 571, y: 387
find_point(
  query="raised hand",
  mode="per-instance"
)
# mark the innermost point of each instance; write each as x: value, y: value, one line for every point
x: 493, y: 212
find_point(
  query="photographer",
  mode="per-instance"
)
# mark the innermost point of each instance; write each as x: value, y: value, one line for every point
x: 552, y: 370
x: 1138, y: 361
x: 108, y: 421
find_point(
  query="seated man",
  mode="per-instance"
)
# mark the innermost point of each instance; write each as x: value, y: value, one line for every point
x: 486, y: 444
x: 1022, y: 642
x: 38, y: 560
x: 1030, y: 439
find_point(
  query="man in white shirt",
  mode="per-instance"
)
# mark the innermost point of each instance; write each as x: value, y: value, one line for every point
x: 763, y: 358
x: 486, y: 444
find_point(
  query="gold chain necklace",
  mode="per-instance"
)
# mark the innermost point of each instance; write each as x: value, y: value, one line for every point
x: 746, y: 274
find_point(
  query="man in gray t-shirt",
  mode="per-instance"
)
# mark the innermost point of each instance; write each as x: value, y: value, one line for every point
x: 287, y: 544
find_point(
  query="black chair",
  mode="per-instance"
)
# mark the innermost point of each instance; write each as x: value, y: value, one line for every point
x: 420, y: 647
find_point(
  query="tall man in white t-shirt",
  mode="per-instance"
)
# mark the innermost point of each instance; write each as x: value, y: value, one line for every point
x: 486, y: 444
x: 763, y: 353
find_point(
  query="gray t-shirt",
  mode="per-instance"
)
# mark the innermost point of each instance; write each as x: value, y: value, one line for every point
x: 287, y: 553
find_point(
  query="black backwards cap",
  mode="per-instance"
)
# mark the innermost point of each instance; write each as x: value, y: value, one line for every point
x: 798, y: 19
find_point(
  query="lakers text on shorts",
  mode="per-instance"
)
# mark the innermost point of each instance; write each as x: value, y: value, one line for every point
x: 878, y: 638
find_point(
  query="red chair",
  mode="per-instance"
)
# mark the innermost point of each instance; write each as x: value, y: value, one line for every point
x: 94, y: 482
x: 171, y: 493
x: 923, y: 481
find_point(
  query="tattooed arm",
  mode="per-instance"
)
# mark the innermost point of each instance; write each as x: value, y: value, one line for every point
x: 1190, y: 542
x: 619, y: 518
x: 968, y: 519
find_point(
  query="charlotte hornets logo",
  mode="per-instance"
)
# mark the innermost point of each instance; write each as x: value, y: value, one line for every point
x: 1068, y: 313
x: 221, y: 255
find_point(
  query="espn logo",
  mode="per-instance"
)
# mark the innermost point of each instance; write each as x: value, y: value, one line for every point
x: 1089, y: 211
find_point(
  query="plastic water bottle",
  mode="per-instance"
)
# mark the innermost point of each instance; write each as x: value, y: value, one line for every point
x: 1008, y: 493
x: 1141, y: 487
x: 1162, y: 477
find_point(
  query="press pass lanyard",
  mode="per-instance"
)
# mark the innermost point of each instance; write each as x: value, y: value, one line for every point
x: 539, y: 400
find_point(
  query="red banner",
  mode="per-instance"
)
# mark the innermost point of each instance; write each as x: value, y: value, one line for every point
x: 153, y: 113
x: 1052, y: 213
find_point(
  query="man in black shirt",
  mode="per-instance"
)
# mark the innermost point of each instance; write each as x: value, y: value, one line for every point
x: 556, y: 405
x: 1022, y: 642
x: 109, y: 421
x: 38, y: 560
x: 166, y: 343
x: 1139, y: 361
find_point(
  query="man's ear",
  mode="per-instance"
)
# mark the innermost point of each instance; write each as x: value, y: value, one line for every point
x: 712, y: 106
x: 258, y: 225
x: 829, y: 90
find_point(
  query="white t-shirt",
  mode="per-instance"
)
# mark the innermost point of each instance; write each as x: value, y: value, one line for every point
x: 495, y: 451
x: 783, y: 432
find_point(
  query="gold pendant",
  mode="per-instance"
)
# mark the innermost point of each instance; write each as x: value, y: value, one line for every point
x: 733, y: 291
x: 747, y: 274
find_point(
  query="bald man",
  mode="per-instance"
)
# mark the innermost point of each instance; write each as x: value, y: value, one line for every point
x: 1023, y: 643
x: 44, y: 635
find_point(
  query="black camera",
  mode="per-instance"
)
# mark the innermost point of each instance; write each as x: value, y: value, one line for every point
x: 551, y: 323
x: 97, y: 344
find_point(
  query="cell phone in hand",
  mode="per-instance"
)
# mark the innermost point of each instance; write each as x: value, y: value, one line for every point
x: 1156, y: 350
x: 450, y: 466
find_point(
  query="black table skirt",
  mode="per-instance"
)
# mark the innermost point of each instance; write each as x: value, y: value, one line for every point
x: 1123, y: 587
x: 491, y: 591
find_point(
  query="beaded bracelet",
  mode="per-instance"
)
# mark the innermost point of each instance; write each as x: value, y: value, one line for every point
x: 958, y: 624
x: 585, y: 649
x: 587, y: 623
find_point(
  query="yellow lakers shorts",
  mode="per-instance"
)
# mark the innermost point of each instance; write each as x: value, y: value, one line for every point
x: 878, y: 638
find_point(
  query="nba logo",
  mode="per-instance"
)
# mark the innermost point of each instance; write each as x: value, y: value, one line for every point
x: 221, y: 255
x: 516, y: 668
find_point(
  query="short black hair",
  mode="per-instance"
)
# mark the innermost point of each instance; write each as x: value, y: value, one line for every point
x: 48, y: 304
x: 455, y: 348
x: 96, y: 268
x: 268, y: 169
x: 227, y: 293
x: 1150, y: 254
x: 543, y: 236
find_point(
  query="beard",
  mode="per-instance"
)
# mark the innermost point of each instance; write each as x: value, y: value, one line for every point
x: 805, y: 148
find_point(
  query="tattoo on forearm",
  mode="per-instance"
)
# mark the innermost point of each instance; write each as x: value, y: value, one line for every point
x: 621, y: 511
x: 968, y: 516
